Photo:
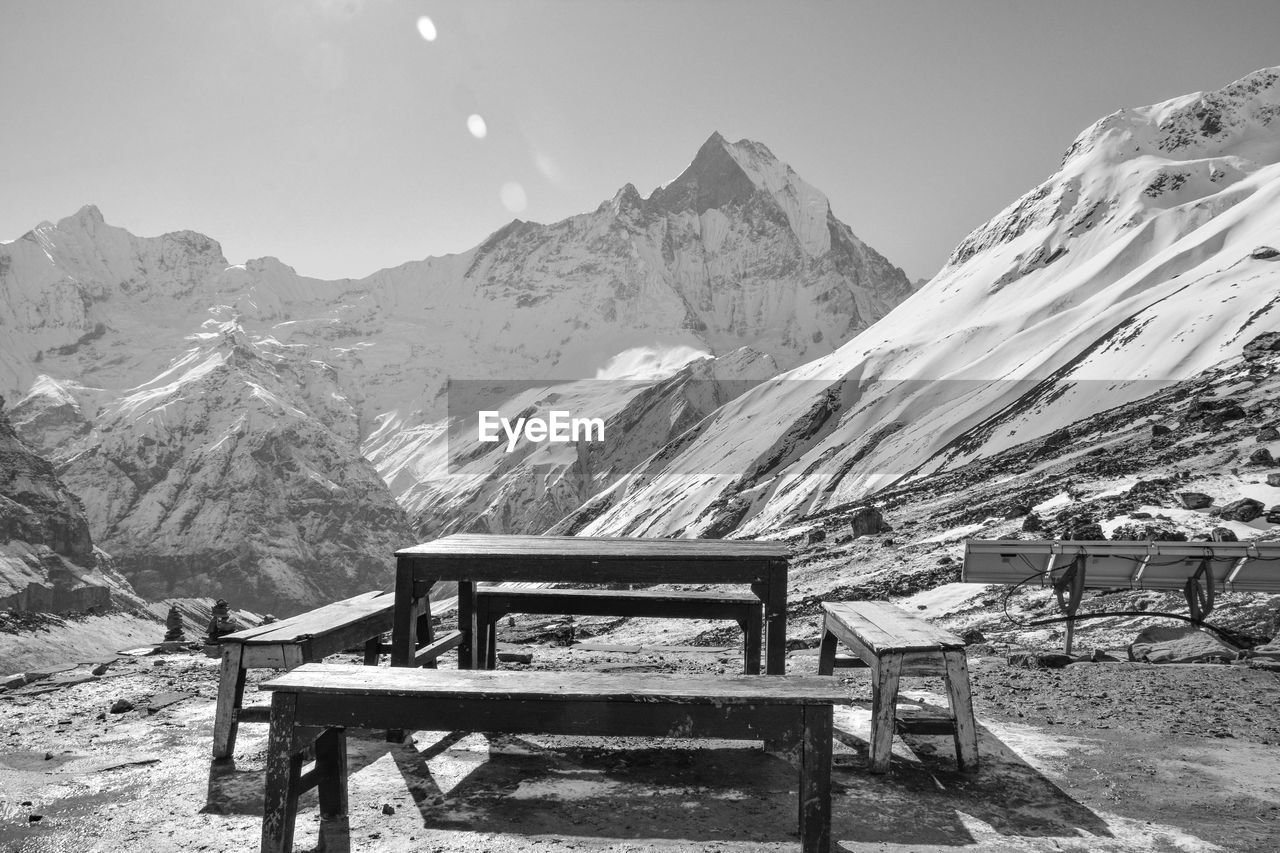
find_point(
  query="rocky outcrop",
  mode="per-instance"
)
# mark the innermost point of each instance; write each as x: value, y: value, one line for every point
x: 47, y: 557
x: 236, y: 475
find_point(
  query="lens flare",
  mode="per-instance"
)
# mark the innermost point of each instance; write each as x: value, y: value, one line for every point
x: 476, y: 125
x: 427, y: 28
x: 513, y: 197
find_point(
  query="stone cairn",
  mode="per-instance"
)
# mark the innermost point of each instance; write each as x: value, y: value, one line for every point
x: 221, y: 622
x: 173, y: 627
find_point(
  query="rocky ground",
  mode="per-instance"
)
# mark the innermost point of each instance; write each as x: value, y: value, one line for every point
x: 1093, y: 756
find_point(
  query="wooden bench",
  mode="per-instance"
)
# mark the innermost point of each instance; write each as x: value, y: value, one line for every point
x: 746, y: 608
x: 895, y: 643
x: 313, y: 704
x: 305, y: 638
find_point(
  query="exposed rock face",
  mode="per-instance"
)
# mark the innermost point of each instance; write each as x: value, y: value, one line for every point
x: 236, y: 475
x: 47, y: 557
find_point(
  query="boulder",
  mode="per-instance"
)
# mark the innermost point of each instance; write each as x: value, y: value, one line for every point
x: 1273, y: 479
x: 1179, y: 644
x: 1265, y: 343
x: 1032, y: 523
x: 1262, y: 456
x: 1158, y: 430
x: 1087, y: 533
x: 1223, y: 534
x: 1155, y: 531
x: 1268, y: 433
x: 818, y: 535
x: 1017, y: 511
x: 1195, y: 500
x: 1273, y: 515
x: 1245, y: 509
x: 866, y: 520
x: 1269, y: 650
x: 1264, y: 253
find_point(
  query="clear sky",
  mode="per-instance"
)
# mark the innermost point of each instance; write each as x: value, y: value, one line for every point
x: 335, y: 136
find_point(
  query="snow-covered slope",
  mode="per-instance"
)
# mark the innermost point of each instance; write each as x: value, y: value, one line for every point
x: 1144, y: 258
x: 120, y: 343
x: 529, y: 489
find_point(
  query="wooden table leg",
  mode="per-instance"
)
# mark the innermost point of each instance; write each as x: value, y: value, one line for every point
x: 472, y: 644
x: 752, y: 635
x: 230, y: 699
x: 957, y: 678
x: 884, y: 704
x: 404, y: 633
x: 284, y: 768
x: 775, y: 619
x: 815, y: 780
x: 331, y: 789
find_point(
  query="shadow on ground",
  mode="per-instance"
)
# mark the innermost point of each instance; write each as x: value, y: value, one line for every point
x: 695, y: 791
x: 925, y: 800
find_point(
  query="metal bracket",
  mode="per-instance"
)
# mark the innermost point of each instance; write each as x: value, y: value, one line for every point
x: 1200, y: 596
x: 1069, y: 588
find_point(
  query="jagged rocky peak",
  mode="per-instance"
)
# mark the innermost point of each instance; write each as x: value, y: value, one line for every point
x: 1129, y: 166
x: 713, y: 180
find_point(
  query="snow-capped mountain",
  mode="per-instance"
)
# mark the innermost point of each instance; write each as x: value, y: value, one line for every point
x: 1146, y: 257
x: 156, y: 357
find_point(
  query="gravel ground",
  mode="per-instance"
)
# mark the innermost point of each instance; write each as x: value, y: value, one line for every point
x: 1108, y: 756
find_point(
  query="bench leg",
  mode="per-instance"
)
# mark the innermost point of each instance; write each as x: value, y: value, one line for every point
x: 284, y: 769
x: 372, y: 651
x: 884, y: 703
x: 331, y: 788
x: 752, y: 632
x: 815, y: 780
x: 487, y: 631
x: 957, y: 677
x: 230, y: 700
x: 827, y: 653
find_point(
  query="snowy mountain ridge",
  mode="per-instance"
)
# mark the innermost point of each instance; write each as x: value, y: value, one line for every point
x: 119, y: 342
x: 1136, y: 263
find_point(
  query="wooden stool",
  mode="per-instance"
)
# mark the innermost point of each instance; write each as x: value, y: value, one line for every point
x: 895, y: 643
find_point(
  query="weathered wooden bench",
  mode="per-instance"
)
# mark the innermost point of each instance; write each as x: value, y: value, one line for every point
x: 894, y: 643
x: 306, y: 638
x: 746, y: 608
x: 313, y: 704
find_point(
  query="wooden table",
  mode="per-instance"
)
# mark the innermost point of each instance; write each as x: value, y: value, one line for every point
x: 469, y: 558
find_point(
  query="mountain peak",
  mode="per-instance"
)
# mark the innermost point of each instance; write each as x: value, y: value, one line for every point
x: 87, y: 217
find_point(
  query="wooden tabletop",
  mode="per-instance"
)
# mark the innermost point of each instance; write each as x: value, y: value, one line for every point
x: 884, y: 627
x: 334, y: 679
x: 595, y: 548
